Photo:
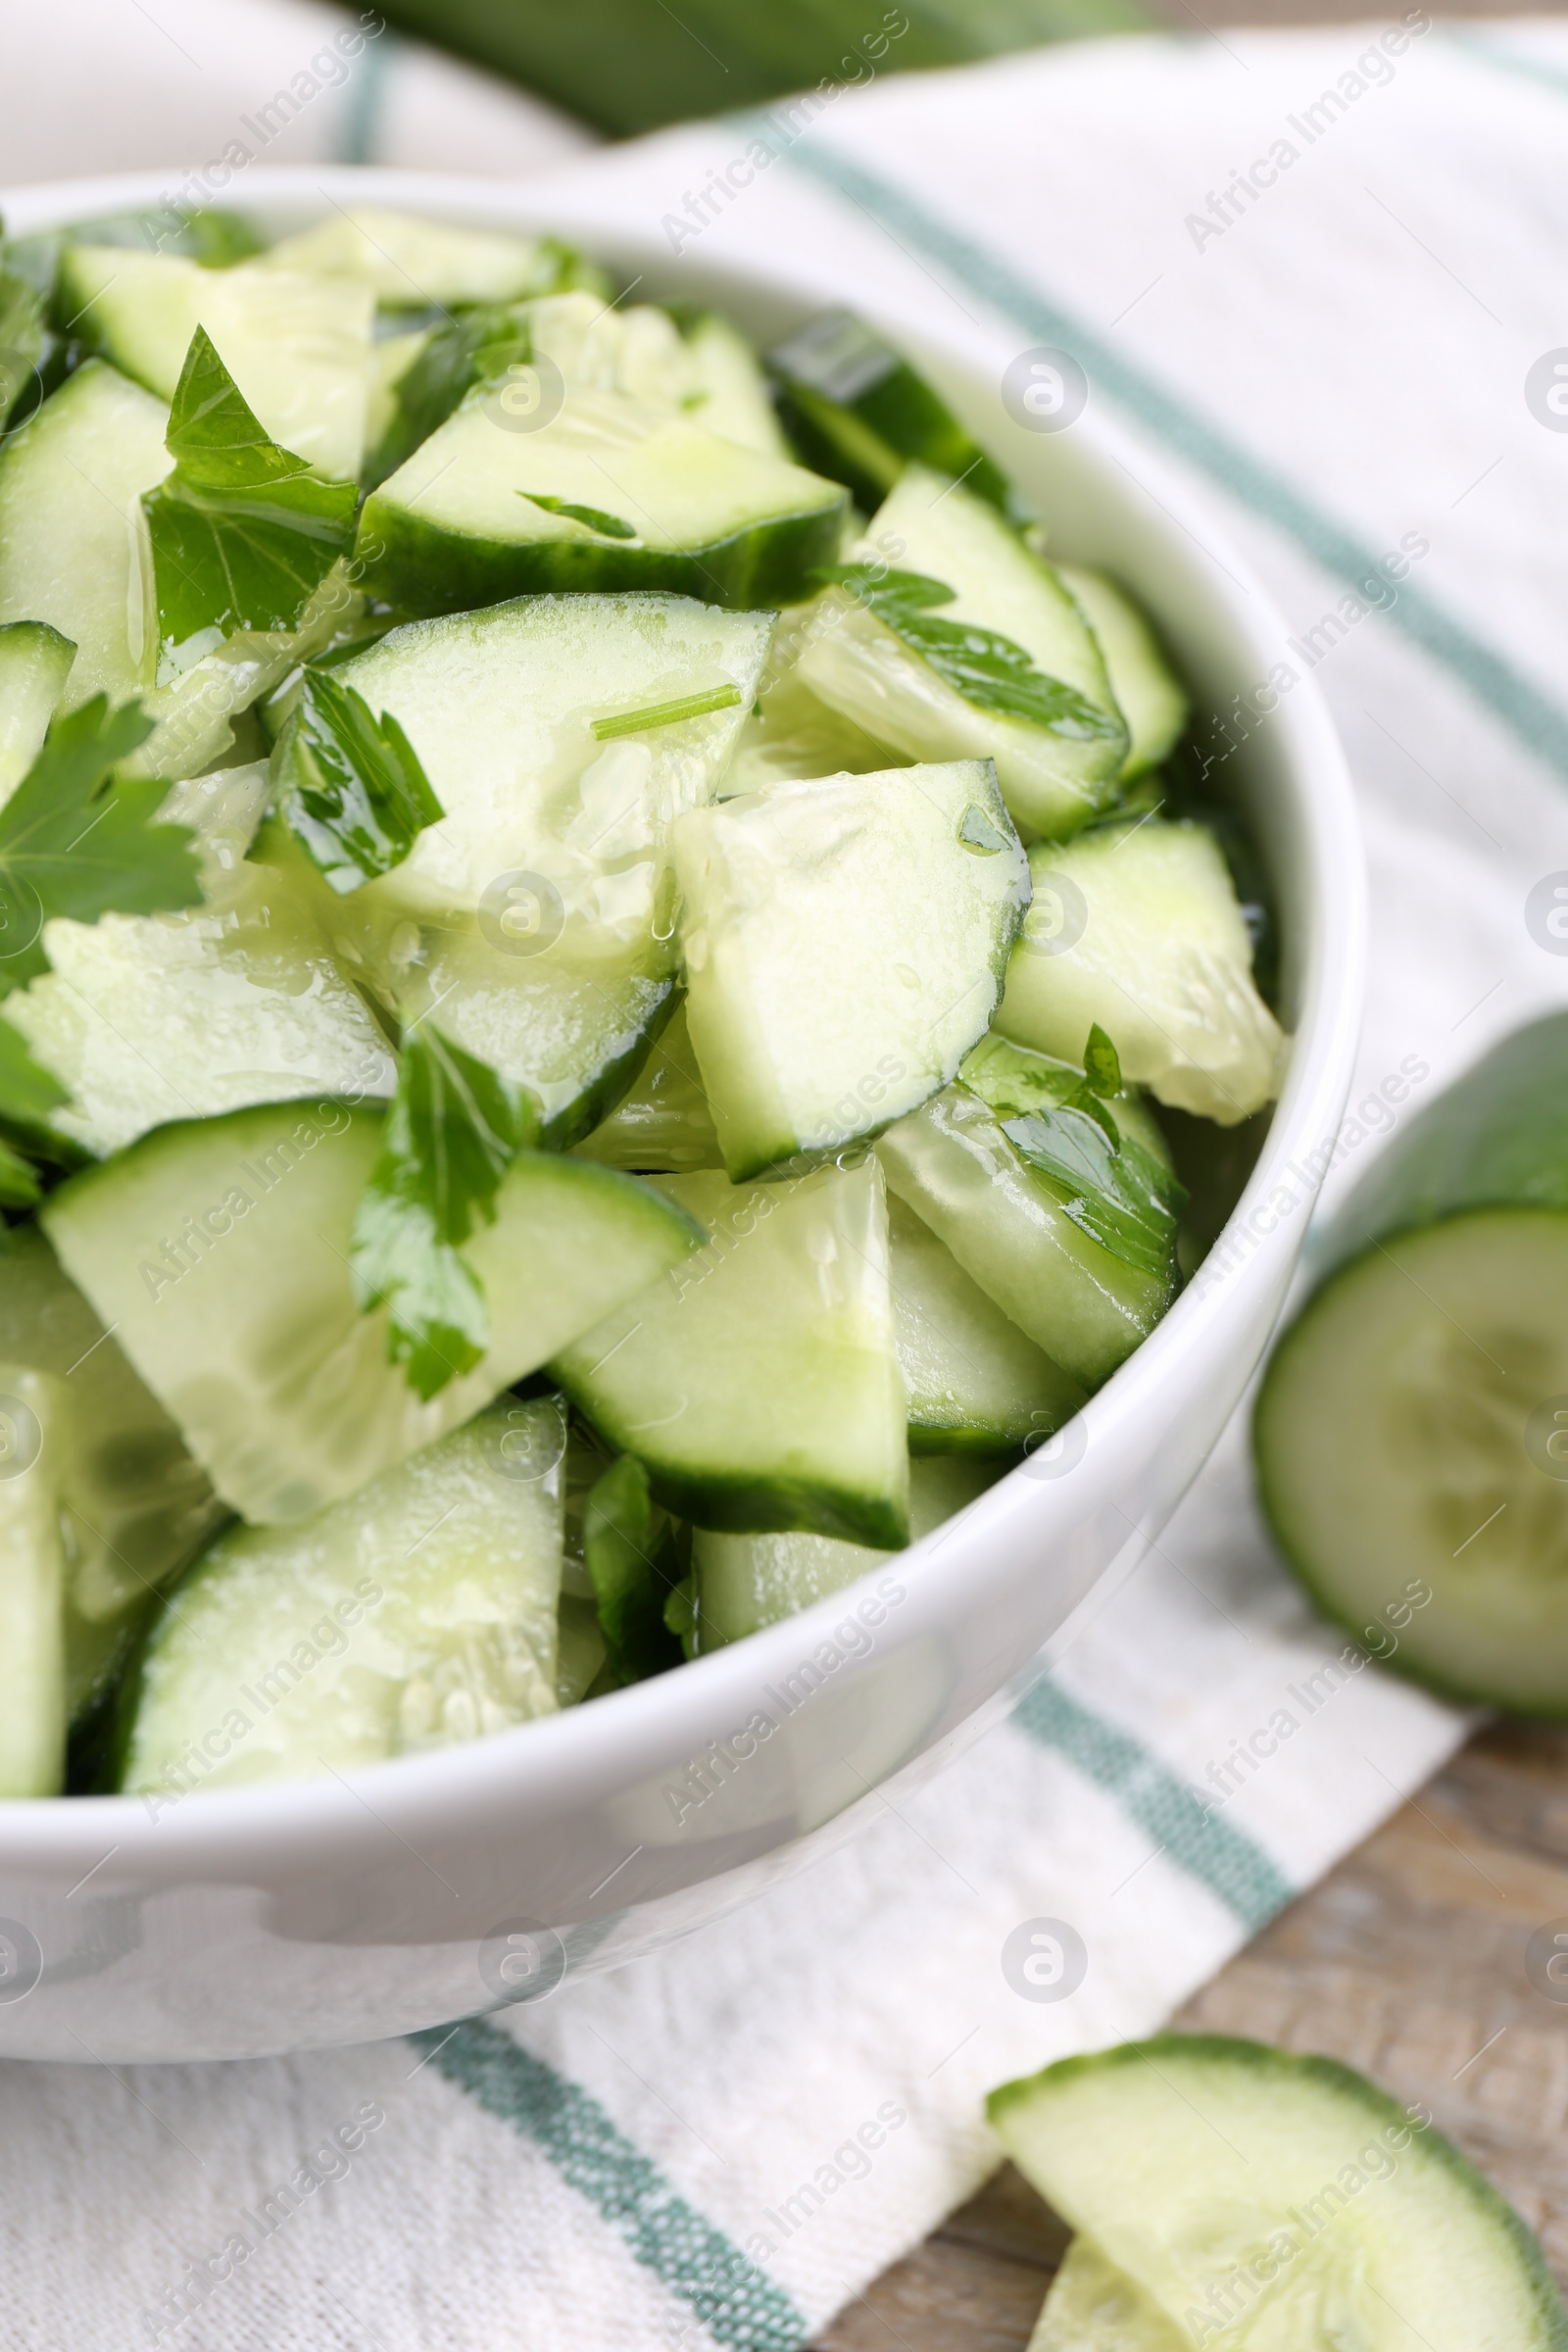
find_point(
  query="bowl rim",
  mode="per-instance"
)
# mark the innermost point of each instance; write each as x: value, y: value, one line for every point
x: 585, y: 1753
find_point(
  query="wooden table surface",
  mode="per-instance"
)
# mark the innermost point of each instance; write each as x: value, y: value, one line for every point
x: 1408, y: 1962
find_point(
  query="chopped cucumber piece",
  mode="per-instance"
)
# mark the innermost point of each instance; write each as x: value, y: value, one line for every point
x: 1137, y: 928
x: 537, y: 913
x: 1274, y: 2200
x: 32, y: 1581
x: 415, y: 1614
x: 1027, y: 1235
x: 845, y: 939
x: 597, y: 347
x: 148, y: 1018
x: 460, y: 524
x: 791, y: 734
x: 391, y: 359
x: 1149, y: 695
x: 298, y: 346
x: 219, y: 1251
x: 34, y: 664
x: 729, y: 393
x: 1409, y: 1431
x: 975, y: 1383
x: 74, y: 552
x: 746, y: 1582
x: 409, y: 264
x: 1056, y: 772
x: 760, y: 1383
x: 663, y: 1127
x: 1093, y: 2307
x: 580, y: 1650
x: 135, y: 1508
x: 858, y: 411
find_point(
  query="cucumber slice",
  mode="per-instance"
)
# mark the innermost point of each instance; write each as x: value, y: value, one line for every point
x: 760, y: 1385
x: 845, y: 938
x: 975, y: 1383
x: 790, y: 734
x: 458, y: 525
x: 537, y: 913
x: 415, y: 1614
x: 297, y: 346
x: 409, y: 263
x: 133, y: 1505
x: 245, y: 1325
x: 1010, y: 1228
x: 1409, y: 1432
x: 742, y: 1583
x: 148, y: 1018
x: 728, y: 392
x: 858, y: 411
x: 1137, y: 928
x: 1093, y: 2307
x: 580, y: 1652
x: 1275, y: 2200
x: 34, y: 664
x: 663, y: 1127
x: 32, y: 1586
x: 391, y: 359
x: 1053, y: 778
x: 1149, y: 694
x: 74, y: 552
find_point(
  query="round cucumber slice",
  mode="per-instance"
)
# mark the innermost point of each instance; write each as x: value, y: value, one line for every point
x: 1262, y: 2199
x: 1411, y: 1433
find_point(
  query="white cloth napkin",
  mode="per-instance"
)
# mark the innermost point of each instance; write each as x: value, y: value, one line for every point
x: 724, y: 2144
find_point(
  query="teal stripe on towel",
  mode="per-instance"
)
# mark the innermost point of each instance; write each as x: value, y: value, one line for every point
x: 737, y: 2303
x: 1531, y: 714
x: 1227, y: 1862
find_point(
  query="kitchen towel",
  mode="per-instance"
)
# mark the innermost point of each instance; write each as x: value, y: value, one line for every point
x: 1322, y: 274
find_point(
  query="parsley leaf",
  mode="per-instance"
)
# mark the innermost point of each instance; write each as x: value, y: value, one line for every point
x: 355, y: 795
x: 630, y: 1555
x: 28, y: 1093
x: 990, y: 670
x: 73, y: 843
x: 454, y: 1128
x: 243, y: 533
x: 609, y: 527
x: 1060, y: 1124
x: 471, y: 348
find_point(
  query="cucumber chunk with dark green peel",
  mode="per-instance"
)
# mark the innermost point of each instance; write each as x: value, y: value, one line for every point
x: 411, y: 265
x: 220, y: 1251
x: 1275, y: 2202
x: 857, y: 411
x: 420, y: 1612
x: 1411, y: 1433
x: 976, y: 1382
x: 1149, y: 695
x: 845, y: 939
x: 663, y: 1126
x: 948, y: 638
x: 34, y: 664
x: 760, y: 1385
x: 742, y: 1583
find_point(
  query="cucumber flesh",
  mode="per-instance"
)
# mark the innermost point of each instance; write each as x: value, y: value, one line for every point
x: 746, y: 1582
x: 415, y: 1614
x: 760, y: 1383
x: 34, y: 664
x: 1053, y: 782
x: 133, y: 1505
x: 458, y: 526
x: 1270, y: 2201
x: 1137, y: 928
x: 32, y: 1581
x: 845, y: 941
x: 409, y: 263
x: 1149, y: 695
x: 148, y: 1018
x: 218, y: 1249
x: 728, y: 392
x: 975, y: 1383
x: 546, y: 826
x: 951, y: 1163
x: 298, y: 346
x: 1093, y: 2307
x: 663, y: 1126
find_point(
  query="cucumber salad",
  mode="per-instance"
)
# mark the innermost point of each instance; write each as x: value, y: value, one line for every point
x: 610, y: 982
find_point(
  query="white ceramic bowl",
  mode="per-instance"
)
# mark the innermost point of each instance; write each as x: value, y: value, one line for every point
x: 339, y: 1909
